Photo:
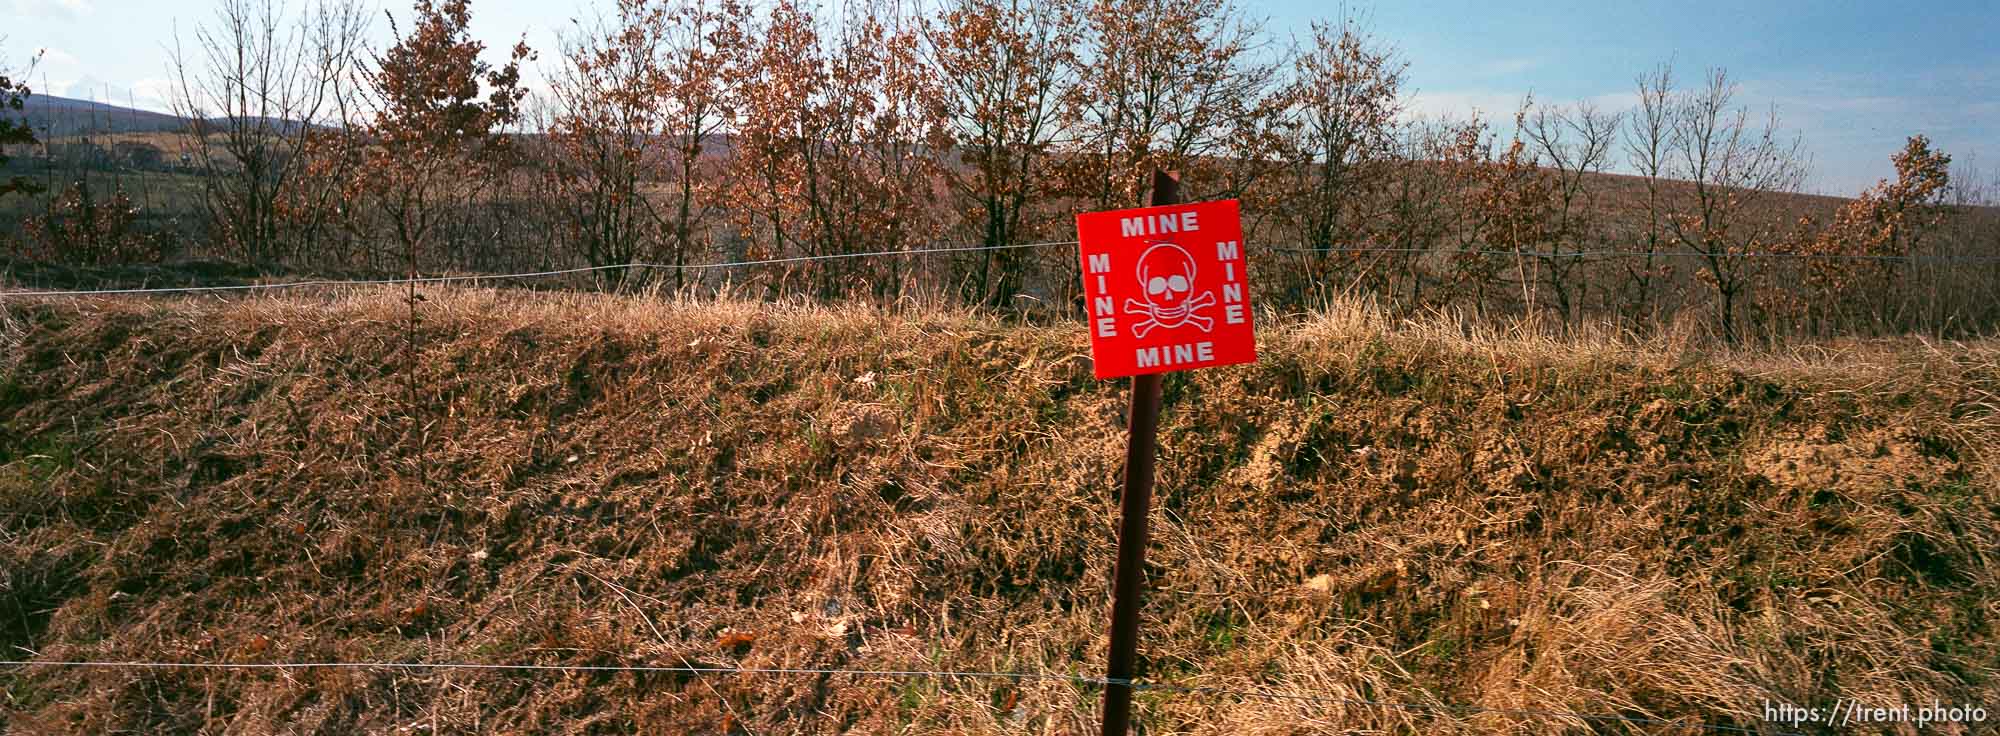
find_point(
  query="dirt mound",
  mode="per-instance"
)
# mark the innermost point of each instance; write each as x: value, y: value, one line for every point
x: 1391, y: 513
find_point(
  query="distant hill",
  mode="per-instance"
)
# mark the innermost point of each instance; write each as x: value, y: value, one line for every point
x: 63, y: 117
x: 56, y: 117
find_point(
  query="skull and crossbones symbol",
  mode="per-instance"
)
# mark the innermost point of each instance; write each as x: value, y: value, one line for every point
x: 1166, y: 272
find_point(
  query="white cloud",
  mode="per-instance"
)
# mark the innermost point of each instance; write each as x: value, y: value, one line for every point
x: 85, y: 88
x: 1849, y: 125
x: 1461, y: 104
x: 1498, y: 107
x: 56, y: 58
x: 56, y: 9
x: 154, y: 94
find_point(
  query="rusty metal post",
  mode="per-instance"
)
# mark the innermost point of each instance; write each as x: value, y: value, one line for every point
x: 1128, y: 577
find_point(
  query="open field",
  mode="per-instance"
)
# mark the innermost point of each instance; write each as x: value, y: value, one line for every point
x: 1423, y: 512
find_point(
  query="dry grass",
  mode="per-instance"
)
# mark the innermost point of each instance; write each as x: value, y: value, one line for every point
x: 1437, y: 511
x: 11, y: 333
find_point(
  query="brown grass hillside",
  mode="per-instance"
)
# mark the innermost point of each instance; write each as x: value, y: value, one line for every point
x: 1421, y: 513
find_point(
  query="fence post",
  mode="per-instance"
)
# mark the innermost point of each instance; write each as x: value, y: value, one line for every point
x: 1142, y: 440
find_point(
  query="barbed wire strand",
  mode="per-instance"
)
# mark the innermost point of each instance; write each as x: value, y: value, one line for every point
x: 1075, y: 679
x: 971, y: 248
x: 560, y: 667
x: 1642, y: 254
x: 530, y: 274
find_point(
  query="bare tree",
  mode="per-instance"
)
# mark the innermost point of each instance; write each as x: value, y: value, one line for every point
x: 773, y: 87
x: 1575, y: 145
x: 254, y: 89
x: 1415, y: 218
x: 639, y: 100
x: 1165, y: 85
x: 1647, y: 140
x: 701, y: 42
x: 1735, y: 168
x: 840, y: 140
x: 607, y: 133
x: 843, y: 199
x: 1342, y: 104
x: 1005, y: 66
x: 313, y: 203
x: 1513, y: 198
x: 906, y: 145
x: 1337, y: 133
x: 1970, y: 230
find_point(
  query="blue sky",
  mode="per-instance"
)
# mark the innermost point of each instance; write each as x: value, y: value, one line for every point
x: 1852, y: 78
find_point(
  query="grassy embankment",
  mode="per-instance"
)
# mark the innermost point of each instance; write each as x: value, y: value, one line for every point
x: 1412, y: 513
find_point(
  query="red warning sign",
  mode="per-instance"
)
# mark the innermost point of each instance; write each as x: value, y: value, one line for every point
x: 1166, y: 288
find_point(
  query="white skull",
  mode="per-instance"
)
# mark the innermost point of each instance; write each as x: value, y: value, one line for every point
x: 1167, y: 273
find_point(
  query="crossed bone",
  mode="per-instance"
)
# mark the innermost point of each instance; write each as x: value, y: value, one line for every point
x: 1171, y: 316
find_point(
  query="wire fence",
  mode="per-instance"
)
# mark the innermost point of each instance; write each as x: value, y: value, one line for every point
x: 1137, y: 685
x: 1605, y: 254
x: 1017, y: 676
x: 534, y: 274
x: 643, y: 266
